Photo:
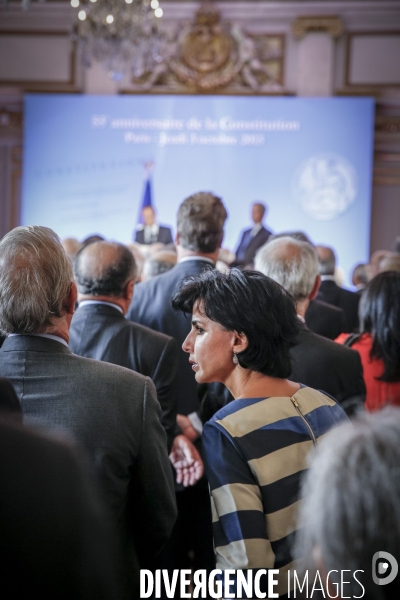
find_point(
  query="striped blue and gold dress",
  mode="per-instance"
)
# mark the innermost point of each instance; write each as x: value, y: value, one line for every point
x: 255, y: 452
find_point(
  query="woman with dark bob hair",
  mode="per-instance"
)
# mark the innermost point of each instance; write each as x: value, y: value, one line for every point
x: 255, y: 448
x: 378, y: 342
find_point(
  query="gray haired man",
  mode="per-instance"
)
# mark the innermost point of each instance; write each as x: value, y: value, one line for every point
x: 316, y: 361
x: 349, y: 522
x: 111, y: 411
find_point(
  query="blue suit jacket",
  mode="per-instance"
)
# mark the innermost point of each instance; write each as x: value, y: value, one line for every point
x: 151, y: 306
x: 248, y: 245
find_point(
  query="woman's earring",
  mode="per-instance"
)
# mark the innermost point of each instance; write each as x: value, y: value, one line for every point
x: 235, y: 359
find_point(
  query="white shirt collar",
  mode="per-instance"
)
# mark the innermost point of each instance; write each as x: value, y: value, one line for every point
x: 302, y: 319
x: 327, y: 278
x: 256, y: 228
x: 151, y: 231
x: 88, y: 302
x: 204, y: 258
x: 56, y: 338
x: 153, y: 228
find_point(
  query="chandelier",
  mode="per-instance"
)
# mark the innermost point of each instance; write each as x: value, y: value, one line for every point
x: 122, y: 35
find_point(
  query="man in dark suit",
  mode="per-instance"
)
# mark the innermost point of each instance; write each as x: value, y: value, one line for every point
x: 105, y: 275
x: 330, y: 292
x: 316, y: 361
x: 150, y: 232
x: 55, y: 537
x: 325, y: 319
x: 200, y: 223
x: 252, y: 239
x: 111, y: 411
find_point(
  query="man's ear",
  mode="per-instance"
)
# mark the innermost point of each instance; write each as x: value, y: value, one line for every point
x: 72, y: 298
x: 241, y: 343
x: 177, y: 239
x: 128, y: 291
x: 315, y: 289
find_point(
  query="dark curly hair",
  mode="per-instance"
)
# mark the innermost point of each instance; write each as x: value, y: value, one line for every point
x: 251, y: 303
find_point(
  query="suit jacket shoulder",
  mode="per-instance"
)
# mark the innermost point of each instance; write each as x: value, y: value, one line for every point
x: 345, y: 299
x: 101, y: 332
x: 325, y: 319
x: 151, y: 306
x: 321, y: 364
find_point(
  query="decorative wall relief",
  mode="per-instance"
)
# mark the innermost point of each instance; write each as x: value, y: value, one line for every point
x: 210, y: 55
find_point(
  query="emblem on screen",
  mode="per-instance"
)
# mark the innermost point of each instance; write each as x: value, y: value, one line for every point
x: 325, y: 185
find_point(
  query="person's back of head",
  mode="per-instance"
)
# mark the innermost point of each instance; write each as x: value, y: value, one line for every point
x: 351, y: 505
x: 200, y: 223
x: 71, y: 246
x: 326, y: 259
x: 389, y: 263
x: 380, y: 316
x: 290, y: 262
x: 35, y: 280
x: 297, y: 235
x: 139, y: 257
x: 104, y: 269
x: 91, y: 239
x: 158, y: 263
x: 360, y: 275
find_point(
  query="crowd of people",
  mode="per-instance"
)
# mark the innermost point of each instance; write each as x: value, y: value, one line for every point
x: 185, y: 407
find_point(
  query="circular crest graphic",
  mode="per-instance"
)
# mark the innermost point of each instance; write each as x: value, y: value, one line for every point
x: 325, y: 185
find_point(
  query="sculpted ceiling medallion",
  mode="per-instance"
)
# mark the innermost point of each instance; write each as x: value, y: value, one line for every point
x: 211, y: 55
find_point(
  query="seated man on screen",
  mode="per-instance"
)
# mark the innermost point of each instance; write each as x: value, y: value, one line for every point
x: 150, y: 232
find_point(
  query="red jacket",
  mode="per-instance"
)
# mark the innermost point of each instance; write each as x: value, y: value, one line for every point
x: 379, y: 393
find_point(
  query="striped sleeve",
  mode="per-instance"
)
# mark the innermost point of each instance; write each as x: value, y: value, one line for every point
x: 239, y: 525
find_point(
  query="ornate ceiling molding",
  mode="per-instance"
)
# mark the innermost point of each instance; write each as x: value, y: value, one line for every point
x: 331, y: 25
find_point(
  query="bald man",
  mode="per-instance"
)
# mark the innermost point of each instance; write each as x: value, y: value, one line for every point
x: 105, y: 275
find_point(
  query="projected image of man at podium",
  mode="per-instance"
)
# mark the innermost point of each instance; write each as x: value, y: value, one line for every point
x: 253, y: 238
x: 149, y: 232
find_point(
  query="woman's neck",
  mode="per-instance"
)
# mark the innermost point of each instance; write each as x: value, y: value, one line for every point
x: 244, y: 383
